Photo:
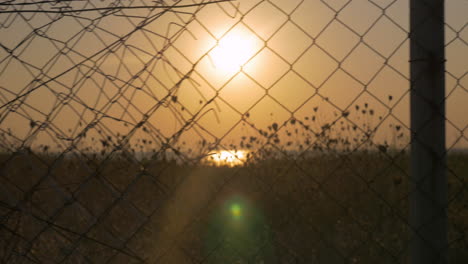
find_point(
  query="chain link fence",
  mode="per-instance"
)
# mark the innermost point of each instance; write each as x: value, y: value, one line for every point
x: 248, y: 131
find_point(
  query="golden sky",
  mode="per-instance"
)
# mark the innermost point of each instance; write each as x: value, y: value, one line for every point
x: 227, y: 71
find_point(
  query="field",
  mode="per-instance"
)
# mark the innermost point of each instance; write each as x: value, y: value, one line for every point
x: 331, y: 207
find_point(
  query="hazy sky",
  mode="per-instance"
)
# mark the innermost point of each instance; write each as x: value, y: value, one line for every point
x: 247, y: 64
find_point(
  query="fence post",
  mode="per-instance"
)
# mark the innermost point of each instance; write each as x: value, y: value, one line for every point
x: 428, y: 191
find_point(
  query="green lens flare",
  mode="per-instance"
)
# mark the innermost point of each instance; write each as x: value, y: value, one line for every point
x: 236, y: 211
x: 237, y: 230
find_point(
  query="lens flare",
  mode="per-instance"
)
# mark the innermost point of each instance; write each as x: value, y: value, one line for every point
x: 236, y: 211
x: 240, y: 222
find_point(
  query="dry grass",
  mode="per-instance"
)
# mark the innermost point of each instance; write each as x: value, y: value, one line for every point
x: 327, y: 208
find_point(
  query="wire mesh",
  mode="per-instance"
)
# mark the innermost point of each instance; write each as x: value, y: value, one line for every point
x: 248, y: 131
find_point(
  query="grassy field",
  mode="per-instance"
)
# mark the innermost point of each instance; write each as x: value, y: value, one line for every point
x: 321, y: 208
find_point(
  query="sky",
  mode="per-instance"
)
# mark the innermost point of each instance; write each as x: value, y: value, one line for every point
x: 217, y: 73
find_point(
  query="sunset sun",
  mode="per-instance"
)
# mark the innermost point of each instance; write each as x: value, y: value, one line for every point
x: 232, y: 52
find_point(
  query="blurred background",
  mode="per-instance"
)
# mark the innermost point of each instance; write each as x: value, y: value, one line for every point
x: 193, y: 131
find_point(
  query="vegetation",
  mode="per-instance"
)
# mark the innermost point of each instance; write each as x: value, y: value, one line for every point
x: 328, y: 195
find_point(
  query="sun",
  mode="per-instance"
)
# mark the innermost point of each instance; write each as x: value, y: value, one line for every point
x: 232, y: 52
x: 228, y: 158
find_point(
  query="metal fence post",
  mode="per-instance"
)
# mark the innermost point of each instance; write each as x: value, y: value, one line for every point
x: 428, y: 191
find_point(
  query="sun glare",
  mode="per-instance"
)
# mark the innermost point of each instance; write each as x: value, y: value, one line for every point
x: 232, y: 52
x: 228, y: 158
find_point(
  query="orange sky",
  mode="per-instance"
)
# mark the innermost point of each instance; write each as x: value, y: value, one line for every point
x: 300, y: 55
